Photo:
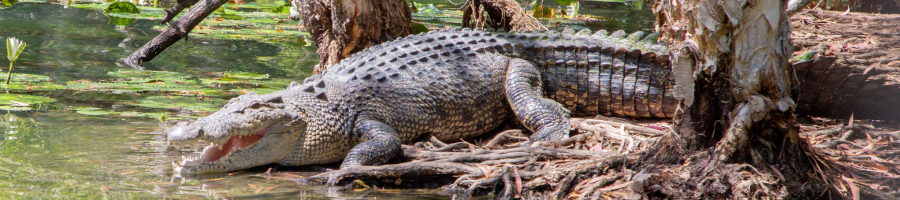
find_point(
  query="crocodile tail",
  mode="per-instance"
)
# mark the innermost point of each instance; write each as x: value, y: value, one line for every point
x: 614, y: 74
x: 830, y: 89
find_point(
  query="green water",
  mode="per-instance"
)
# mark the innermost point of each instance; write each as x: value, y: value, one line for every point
x: 101, y: 136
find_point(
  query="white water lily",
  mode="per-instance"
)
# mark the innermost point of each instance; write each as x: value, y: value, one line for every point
x: 14, y: 48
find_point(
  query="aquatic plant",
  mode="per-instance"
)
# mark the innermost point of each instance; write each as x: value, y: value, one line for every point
x: 418, y: 28
x: 14, y: 48
x: 122, y: 7
x: 7, y: 3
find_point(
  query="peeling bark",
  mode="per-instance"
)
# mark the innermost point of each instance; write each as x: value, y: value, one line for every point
x: 343, y: 27
x: 737, y: 53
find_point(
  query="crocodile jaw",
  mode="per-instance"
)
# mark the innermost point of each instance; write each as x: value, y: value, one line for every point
x: 214, y: 152
x: 238, y: 152
x: 251, y: 130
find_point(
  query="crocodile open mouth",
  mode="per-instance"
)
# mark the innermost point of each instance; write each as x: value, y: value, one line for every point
x: 215, y: 152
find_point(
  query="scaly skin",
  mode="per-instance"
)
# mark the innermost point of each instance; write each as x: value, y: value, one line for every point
x: 451, y: 84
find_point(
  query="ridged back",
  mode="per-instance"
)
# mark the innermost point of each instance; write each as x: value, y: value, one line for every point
x: 614, y: 74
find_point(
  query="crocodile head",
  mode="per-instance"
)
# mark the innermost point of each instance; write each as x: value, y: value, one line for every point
x: 251, y: 130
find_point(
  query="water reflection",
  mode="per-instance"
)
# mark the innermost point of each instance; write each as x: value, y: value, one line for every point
x: 72, y: 44
x: 66, y: 155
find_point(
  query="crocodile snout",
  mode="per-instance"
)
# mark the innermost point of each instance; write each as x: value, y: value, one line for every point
x: 182, y: 131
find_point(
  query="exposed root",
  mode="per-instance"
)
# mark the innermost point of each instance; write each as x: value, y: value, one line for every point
x: 589, y: 166
x: 583, y: 166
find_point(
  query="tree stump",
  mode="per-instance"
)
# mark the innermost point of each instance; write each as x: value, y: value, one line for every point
x: 504, y: 14
x: 343, y: 27
x: 732, y: 67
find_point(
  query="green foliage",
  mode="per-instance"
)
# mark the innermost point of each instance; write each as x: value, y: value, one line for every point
x: 542, y: 12
x: 418, y: 28
x: 122, y: 7
x: 8, y: 3
x: 808, y: 56
x: 283, y: 9
x: 637, y: 5
x: 565, y: 2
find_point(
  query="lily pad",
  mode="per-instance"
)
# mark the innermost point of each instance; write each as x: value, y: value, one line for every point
x: 91, y: 111
x: 11, y: 108
x: 179, y: 102
x: 19, y: 77
x: 111, y: 87
x: 142, y: 114
x: 149, y: 75
x: 8, y: 99
x: 246, y: 75
x: 256, y: 90
x: 35, y: 86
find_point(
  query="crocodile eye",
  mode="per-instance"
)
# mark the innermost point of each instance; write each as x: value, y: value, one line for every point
x: 255, y: 105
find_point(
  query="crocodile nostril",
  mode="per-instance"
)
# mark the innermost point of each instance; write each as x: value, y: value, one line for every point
x: 276, y: 100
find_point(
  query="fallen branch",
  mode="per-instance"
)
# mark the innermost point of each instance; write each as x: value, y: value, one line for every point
x: 174, y: 32
x: 172, y: 12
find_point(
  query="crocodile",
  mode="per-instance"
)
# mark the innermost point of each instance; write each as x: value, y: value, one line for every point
x: 450, y: 84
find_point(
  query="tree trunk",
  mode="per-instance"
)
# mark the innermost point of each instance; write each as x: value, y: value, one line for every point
x: 343, y: 27
x: 504, y: 14
x: 732, y: 69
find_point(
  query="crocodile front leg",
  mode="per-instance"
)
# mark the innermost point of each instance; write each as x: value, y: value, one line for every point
x: 547, y: 119
x: 381, y: 144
